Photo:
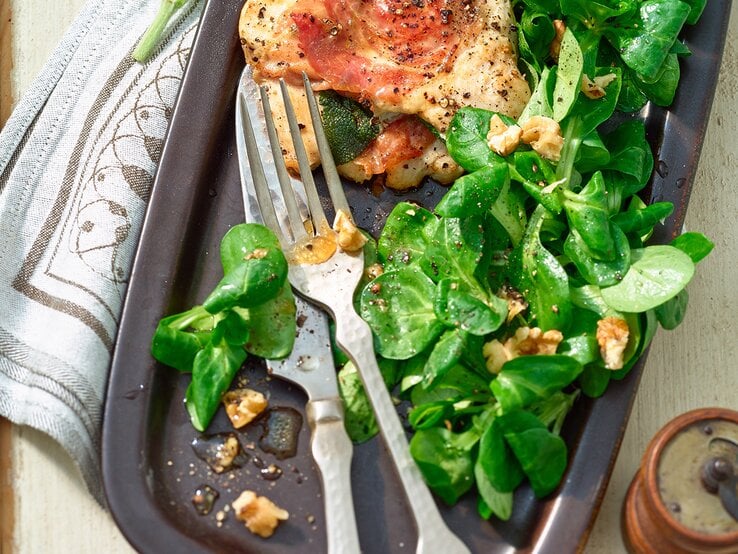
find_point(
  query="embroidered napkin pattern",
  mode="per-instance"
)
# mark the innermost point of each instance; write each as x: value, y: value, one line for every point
x: 77, y: 160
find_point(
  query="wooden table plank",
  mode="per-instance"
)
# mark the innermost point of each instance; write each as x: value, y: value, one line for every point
x: 6, y: 61
x: 7, y: 502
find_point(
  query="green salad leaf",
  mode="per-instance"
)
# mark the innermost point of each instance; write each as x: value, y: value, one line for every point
x: 657, y: 274
x: 635, y: 37
x: 398, y: 306
x: 251, y: 310
x: 527, y: 379
x: 542, y: 454
x: 444, y: 462
x: 532, y: 281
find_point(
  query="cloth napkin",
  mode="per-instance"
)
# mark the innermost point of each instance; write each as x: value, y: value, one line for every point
x: 77, y: 159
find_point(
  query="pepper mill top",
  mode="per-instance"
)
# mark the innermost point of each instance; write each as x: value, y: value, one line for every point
x: 684, y: 498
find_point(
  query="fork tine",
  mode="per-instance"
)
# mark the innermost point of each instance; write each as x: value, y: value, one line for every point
x: 296, y: 224
x: 335, y: 187
x: 261, y: 186
x: 314, y: 204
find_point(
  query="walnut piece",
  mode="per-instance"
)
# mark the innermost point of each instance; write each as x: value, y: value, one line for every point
x: 503, y: 139
x: 496, y: 354
x: 525, y: 342
x: 225, y: 454
x: 555, y: 47
x: 516, y: 304
x: 544, y: 136
x: 596, y: 89
x: 350, y: 238
x: 260, y: 515
x: 612, y: 336
x: 534, y: 341
x: 243, y: 405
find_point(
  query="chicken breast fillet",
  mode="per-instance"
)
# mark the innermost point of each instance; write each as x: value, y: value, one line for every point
x: 419, y: 57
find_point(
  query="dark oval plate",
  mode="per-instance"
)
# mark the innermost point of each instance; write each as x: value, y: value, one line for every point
x: 150, y: 471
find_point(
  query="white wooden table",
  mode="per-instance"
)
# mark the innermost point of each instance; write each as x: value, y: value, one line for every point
x: 691, y: 367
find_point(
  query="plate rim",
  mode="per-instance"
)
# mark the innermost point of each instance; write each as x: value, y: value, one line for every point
x: 125, y: 475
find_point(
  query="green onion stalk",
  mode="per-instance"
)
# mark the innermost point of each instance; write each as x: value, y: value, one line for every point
x: 151, y: 38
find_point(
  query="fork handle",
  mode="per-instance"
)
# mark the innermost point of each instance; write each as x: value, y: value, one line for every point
x: 332, y: 450
x: 354, y: 337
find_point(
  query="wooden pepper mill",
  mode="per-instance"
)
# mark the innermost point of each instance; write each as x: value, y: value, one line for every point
x: 684, y: 498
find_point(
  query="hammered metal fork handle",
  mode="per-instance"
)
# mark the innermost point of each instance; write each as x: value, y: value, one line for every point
x: 332, y: 450
x: 354, y: 336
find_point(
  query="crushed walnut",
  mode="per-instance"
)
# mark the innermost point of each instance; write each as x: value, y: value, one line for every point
x: 260, y: 515
x: 350, y: 238
x: 373, y: 271
x: 516, y: 304
x: 526, y: 341
x: 595, y: 89
x: 256, y: 254
x: 555, y: 47
x: 225, y: 454
x: 612, y: 336
x: 501, y: 138
x: 544, y: 136
x: 243, y: 406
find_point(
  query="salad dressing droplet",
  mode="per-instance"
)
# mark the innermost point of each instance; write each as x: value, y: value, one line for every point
x: 281, y: 430
x: 220, y: 451
x: 204, y: 499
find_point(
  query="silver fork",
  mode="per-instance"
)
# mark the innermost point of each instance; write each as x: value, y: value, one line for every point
x: 331, y: 284
x: 310, y: 365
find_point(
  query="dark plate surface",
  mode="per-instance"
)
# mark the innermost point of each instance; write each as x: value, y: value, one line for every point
x: 151, y: 472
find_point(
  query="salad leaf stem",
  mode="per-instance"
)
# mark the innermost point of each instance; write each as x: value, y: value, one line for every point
x: 572, y: 142
x: 151, y: 38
